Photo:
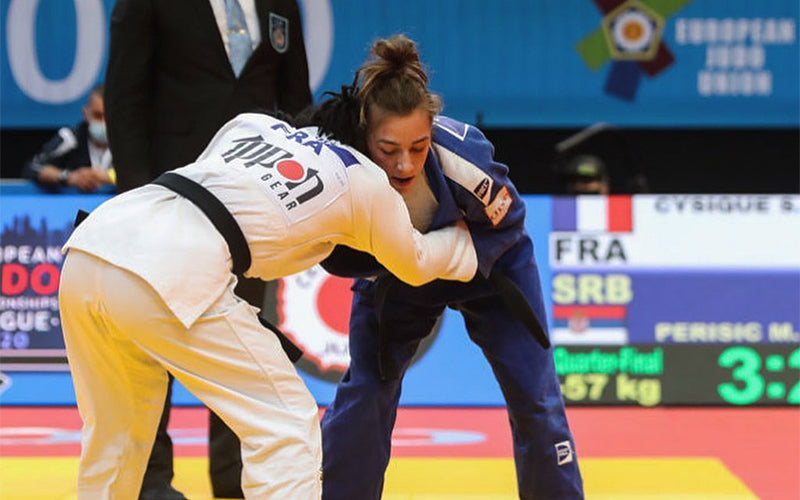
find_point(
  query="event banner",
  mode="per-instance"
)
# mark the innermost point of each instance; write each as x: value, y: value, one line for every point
x: 33, y: 229
x: 651, y: 300
x: 683, y: 63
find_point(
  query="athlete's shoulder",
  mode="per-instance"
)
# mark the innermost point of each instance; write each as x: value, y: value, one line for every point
x: 445, y: 128
x: 458, y: 136
x: 465, y: 156
x: 260, y: 121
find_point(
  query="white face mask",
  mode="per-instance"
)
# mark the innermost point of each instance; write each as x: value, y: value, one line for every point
x: 97, y: 131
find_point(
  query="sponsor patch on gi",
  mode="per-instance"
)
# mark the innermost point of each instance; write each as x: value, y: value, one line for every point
x: 286, y: 174
x: 278, y: 32
x: 482, y: 188
x: 497, y: 209
x: 564, y: 453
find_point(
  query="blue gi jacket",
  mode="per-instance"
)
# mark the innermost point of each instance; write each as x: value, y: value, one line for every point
x: 469, y: 183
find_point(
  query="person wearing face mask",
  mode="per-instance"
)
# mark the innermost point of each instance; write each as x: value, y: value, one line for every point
x: 444, y: 169
x: 78, y: 156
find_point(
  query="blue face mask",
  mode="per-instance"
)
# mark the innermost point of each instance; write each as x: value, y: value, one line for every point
x: 97, y: 131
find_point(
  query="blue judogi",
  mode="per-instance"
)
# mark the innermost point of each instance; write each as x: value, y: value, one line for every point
x: 389, y: 319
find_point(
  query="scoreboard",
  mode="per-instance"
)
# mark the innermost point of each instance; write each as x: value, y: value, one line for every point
x: 676, y: 299
x: 680, y: 375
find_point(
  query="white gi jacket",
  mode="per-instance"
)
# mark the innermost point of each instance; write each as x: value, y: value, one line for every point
x: 294, y: 195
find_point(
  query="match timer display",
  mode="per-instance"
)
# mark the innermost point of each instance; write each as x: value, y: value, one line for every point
x: 656, y: 375
x: 759, y: 375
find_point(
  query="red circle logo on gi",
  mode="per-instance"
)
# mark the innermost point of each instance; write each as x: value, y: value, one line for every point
x: 314, y: 312
x: 291, y: 170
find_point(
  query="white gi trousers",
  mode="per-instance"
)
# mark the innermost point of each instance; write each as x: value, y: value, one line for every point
x: 122, y: 339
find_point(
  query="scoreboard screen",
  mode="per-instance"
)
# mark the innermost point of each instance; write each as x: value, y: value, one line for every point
x: 675, y: 299
x: 680, y: 375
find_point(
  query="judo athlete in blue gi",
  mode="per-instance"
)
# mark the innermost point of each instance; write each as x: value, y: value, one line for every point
x: 445, y: 171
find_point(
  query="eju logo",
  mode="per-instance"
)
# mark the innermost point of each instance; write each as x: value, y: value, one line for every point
x: 314, y: 312
x: 631, y: 37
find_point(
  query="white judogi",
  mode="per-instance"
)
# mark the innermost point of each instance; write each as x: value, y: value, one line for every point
x: 147, y: 286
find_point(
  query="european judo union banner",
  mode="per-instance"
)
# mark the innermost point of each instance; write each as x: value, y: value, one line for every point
x: 576, y: 62
x: 511, y: 63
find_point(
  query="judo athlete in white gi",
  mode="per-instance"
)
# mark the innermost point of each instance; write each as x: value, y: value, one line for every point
x: 147, y: 287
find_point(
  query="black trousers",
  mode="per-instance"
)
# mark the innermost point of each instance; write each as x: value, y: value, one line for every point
x: 224, y: 448
x: 224, y: 456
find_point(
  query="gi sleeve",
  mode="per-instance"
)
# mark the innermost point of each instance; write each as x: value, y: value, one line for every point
x: 480, y: 185
x: 446, y: 253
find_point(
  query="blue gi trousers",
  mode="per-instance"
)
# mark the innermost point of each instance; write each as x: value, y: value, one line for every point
x: 357, y: 426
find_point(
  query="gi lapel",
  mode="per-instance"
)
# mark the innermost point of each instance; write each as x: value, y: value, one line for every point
x: 448, y: 212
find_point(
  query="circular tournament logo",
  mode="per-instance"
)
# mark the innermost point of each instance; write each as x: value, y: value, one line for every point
x: 633, y: 31
x: 314, y: 312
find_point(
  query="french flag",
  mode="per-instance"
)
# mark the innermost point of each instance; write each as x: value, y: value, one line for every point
x: 593, y: 213
x: 589, y: 324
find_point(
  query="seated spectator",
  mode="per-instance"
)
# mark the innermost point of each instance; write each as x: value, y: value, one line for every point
x: 585, y: 174
x: 599, y: 159
x: 77, y: 156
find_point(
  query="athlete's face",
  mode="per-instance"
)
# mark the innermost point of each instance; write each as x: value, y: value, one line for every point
x: 399, y: 145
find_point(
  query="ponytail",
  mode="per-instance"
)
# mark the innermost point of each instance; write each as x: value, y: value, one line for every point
x: 394, y: 80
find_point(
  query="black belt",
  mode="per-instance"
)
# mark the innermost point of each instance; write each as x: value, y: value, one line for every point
x: 519, y: 306
x: 292, y: 351
x: 216, y: 213
x: 222, y: 219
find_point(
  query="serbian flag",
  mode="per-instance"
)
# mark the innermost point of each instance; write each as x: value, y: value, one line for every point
x: 589, y: 324
x: 593, y: 213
